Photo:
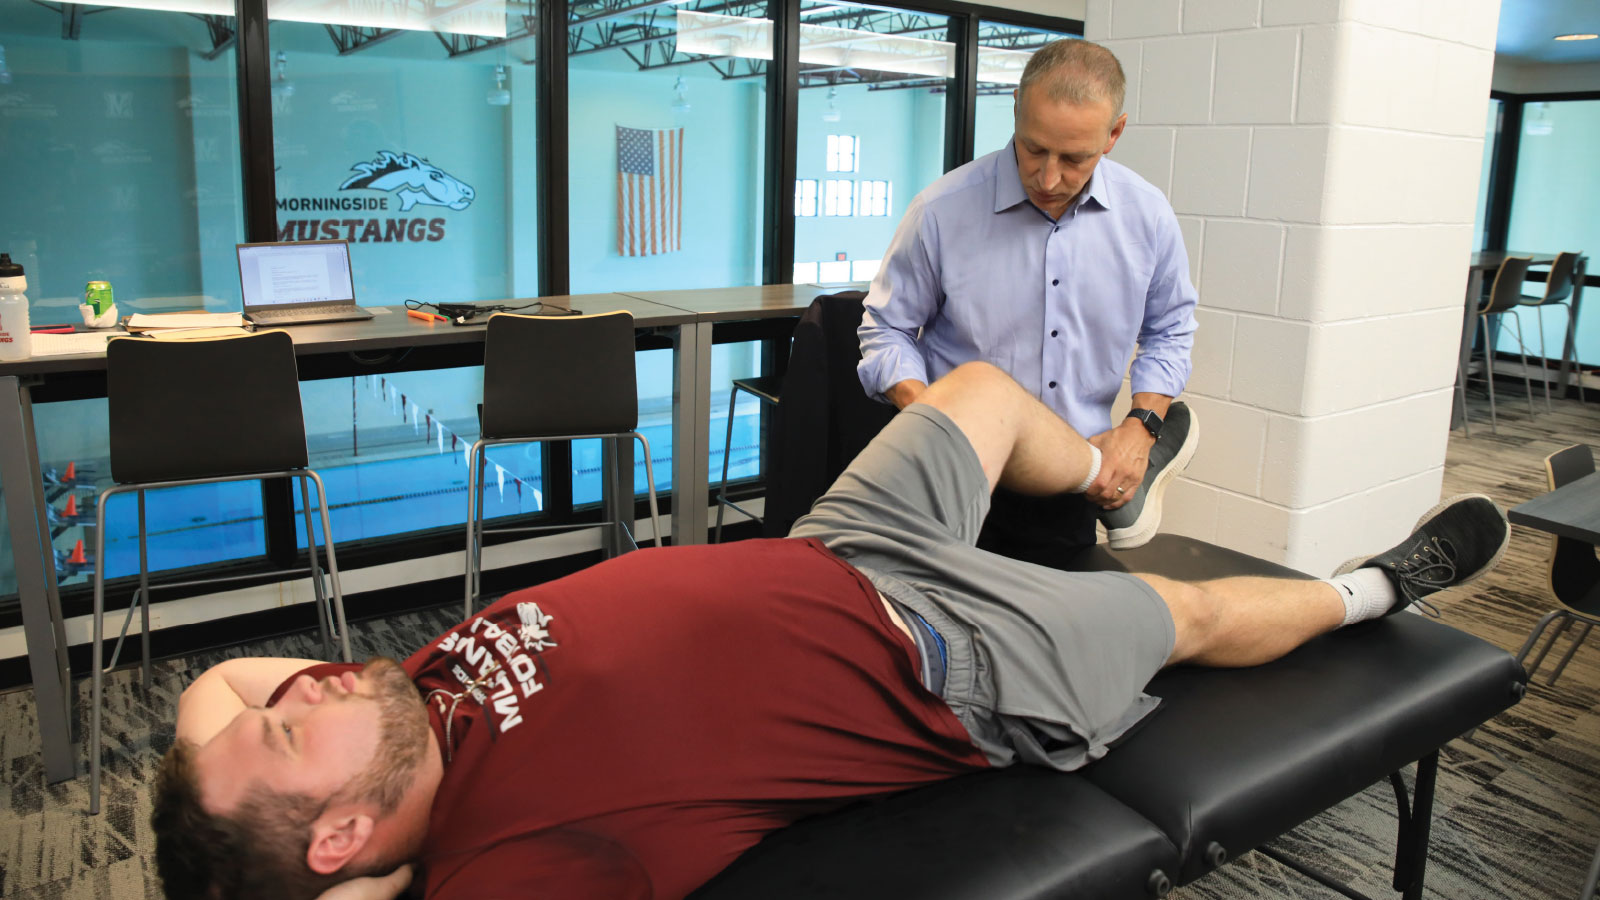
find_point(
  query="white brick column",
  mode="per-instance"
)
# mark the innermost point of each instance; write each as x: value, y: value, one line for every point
x: 1322, y: 157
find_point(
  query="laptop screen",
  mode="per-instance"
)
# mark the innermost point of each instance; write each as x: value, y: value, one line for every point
x: 292, y: 273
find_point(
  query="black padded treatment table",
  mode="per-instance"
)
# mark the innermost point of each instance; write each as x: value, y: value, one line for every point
x: 1230, y: 760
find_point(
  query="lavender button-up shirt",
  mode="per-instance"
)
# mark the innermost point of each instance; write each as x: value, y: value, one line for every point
x: 977, y: 272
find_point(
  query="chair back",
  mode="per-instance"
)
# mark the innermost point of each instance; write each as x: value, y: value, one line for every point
x: 1507, y: 290
x: 203, y: 408
x: 1574, y: 569
x: 554, y: 375
x: 825, y: 417
x: 1559, y: 286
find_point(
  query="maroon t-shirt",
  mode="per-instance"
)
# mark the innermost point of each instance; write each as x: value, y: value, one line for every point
x: 643, y: 722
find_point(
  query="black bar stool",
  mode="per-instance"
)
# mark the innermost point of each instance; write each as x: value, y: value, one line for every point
x: 768, y: 389
x: 202, y: 412
x: 556, y: 378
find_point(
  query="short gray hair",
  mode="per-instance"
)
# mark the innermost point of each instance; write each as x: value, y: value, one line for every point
x: 1076, y: 71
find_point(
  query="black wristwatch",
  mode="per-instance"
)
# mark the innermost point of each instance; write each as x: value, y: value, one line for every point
x: 1148, y: 418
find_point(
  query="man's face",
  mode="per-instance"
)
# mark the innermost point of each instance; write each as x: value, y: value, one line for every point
x: 320, y: 737
x: 1058, y: 144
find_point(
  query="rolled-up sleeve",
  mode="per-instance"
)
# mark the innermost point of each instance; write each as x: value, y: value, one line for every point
x: 904, y: 297
x: 1166, y: 336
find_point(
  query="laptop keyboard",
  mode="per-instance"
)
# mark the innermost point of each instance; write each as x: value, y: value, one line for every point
x: 325, y: 312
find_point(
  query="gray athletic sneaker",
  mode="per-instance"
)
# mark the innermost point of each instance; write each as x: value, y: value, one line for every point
x: 1134, y: 523
x: 1458, y: 540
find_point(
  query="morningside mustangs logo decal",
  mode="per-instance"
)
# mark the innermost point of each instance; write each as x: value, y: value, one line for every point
x: 493, y: 664
x: 405, y: 178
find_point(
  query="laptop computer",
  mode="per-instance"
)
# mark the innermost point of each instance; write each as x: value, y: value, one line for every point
x: 297, y: 282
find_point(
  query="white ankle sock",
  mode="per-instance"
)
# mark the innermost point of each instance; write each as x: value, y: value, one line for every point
x: 1094, y: 471
x: 1367, y: 594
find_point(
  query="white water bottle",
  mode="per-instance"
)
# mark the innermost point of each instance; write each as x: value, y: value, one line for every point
x: 14, y: 342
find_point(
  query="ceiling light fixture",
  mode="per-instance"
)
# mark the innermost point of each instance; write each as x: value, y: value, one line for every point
x: 498, y: 95
x: 680, y: 100
x: 831, y: 114
x: 1577, y: 37
x: 281, y: 86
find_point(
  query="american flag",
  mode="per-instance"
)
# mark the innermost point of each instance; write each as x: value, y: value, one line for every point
x: 649, y: 191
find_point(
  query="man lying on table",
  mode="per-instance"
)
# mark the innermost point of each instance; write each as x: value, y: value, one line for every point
x: 629, y: 730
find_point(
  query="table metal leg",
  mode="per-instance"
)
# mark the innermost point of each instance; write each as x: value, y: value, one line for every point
x: 691, y: 432
x: 617, y: 496
x: 34, y: 558
x: 1568, y: 349
x: 1469, y: 326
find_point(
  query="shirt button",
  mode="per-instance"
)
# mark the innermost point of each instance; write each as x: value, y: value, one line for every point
x: 1054, y: 282
x: 1052, y: 384
x: 1053, y: 332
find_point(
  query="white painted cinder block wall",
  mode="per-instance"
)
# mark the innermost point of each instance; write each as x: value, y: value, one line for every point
x: 1322, y: 157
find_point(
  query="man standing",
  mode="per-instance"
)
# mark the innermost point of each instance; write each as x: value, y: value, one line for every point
x: 1051, y: 263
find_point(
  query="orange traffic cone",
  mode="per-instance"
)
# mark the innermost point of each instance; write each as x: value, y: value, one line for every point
x: 72, y: 506
x: 72, y: 472
x: 77, y: 554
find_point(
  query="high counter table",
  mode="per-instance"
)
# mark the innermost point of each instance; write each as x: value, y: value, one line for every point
x: 323, y: 351
x: 691, y: 446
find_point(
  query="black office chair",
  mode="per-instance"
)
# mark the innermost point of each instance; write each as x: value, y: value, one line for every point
x: 768, y: 390
x: 556, y: 378
x: 1504, y: 297
x: 1557, y: 292
x: 826, y: 418
x: 233, y: 414
x: 1574, y: 570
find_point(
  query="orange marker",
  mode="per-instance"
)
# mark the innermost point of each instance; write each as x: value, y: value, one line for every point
x: 71, y: 509
x: 425, y: 316
x: 72, y: 472
x: 77, y: 554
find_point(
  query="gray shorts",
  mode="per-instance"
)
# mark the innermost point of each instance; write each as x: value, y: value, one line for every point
x: 1044, y: 666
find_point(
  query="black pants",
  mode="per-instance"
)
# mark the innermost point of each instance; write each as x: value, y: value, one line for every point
x: 1048, y: 531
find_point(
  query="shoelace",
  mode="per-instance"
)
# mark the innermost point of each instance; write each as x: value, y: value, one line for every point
x: 1431, y: 567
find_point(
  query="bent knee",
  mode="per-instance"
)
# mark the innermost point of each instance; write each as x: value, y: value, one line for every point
x: 970, y: 381
x: 1194, y: 614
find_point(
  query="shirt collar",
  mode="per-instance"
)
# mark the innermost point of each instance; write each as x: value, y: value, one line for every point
x: 1008, y: 190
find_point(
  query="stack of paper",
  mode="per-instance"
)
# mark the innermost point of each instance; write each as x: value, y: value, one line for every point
x: 185, y: 325
x: 68, y: 344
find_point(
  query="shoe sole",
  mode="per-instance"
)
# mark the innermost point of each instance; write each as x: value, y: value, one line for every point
x: 1149, y: 522
x: 1350, y: 565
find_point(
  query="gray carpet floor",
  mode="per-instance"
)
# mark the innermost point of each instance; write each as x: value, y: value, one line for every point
x: 1517, y: 813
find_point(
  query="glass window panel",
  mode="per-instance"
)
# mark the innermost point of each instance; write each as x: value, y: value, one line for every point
x: 1491, y: 140
x: 805, y: 197
x: 728, y: 361
x: 1003, y: 52
x: 416, y: 146
x: 393, y: 452
x: 872, y: 101
x: 648, y: 89
x: 838, y: 202
x: 189, y: 526
x: 805, y: 273
x: 121, y: 157
x: 834, y: 272
x: 864, y: 269
x: 1552, y: 209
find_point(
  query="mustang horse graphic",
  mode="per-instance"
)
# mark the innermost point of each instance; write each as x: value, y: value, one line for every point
x: 413, y: 179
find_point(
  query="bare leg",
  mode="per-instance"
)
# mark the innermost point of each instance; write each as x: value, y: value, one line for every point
x: 1022, y: 444
x: 1248, y: 620
x: 1027, y: 448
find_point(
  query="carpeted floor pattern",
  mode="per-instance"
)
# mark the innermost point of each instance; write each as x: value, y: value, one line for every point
x: 1517, y: 813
